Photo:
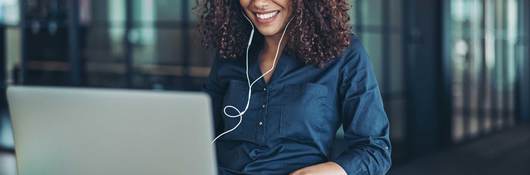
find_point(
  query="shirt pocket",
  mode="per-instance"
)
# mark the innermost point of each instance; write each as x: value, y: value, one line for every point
x: 304, y: 114
x: 236, y: 95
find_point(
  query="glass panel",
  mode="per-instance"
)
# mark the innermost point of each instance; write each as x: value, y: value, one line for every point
x: 104, y: 44
x: 484, y: 66
x: 146, y: 11
x: 395, y: 13
x: 106, y: 11
x: 6, y: 134
x: 466, y: 58
x: 156, y: 46
x: 512, y: 39
x: 396, y: 64
x: 167, y: 10
x: 9, y: 12
x: 162, y: 10
x: 12, y: 49
x: 372, y: 42
x: 372, y: 12
x: 201, y: 57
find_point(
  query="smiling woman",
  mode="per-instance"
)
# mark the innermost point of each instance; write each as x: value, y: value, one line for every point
x: 285, y: 96
x: 319, y: 31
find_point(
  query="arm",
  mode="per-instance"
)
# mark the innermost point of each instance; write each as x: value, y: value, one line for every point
x: 323, y: 169
x: 365, y: 123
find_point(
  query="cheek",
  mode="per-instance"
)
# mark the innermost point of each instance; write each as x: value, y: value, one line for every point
x: 288, y: 6
x: 244, y: 3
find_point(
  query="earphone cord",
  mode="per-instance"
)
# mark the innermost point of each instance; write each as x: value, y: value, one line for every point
x: 240, y: 113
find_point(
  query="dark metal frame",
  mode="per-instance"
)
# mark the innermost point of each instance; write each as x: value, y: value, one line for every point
x: 504, y: 77
x: 129, y: 11
x: 3, y: 100
x: 186, y: 48
x: 21, y: 79
x: 523, y: 79
x: 73, y: 39
x: 445, y: 75
x: 428, y: 75
x: 387, y: 49
x: 483, y: 78
x: 7, y: 150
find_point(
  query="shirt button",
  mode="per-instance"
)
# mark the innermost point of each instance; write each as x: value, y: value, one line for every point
x: 264, y: 89
x: 263, y: 106
x: 260, y: 123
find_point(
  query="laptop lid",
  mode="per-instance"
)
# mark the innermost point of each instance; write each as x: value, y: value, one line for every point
x: 67, y: 131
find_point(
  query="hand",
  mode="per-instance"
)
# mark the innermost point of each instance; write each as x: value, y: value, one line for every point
x: 328, y: 168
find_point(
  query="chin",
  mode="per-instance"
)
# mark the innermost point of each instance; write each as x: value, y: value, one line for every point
x: 269, y: 32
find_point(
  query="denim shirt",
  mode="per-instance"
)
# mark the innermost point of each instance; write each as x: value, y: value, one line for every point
x: 292, y: 120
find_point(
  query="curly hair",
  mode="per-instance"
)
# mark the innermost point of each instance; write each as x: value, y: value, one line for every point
x: 318, y: 33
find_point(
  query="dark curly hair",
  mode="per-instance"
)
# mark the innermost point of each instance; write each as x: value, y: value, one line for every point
x: 318, y: 33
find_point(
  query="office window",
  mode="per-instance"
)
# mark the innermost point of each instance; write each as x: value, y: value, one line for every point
x: 484, y: 41
x: 143, y: 44
x: 157, y: 39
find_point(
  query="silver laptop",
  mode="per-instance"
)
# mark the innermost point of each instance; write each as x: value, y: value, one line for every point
x: 70, y: 131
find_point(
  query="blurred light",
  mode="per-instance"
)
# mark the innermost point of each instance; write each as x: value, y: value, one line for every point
x: 489, y: 36
x: 9, y: 12
x: 116, y: 18
x: 7, y: 133
x: 461, y: 48
x: 8, y: 164
x: 512, y: 38
x: 84, y: 12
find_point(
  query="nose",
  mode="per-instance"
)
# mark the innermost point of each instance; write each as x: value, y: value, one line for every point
x: 261, y: 4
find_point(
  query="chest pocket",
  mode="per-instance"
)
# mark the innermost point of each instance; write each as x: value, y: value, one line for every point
x: 305, y: 113
x: 236, y: 95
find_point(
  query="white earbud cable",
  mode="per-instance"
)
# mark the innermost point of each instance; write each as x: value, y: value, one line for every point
x: 240, y: 113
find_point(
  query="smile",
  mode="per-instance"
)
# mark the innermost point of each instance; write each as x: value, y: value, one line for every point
x: 267, y: 15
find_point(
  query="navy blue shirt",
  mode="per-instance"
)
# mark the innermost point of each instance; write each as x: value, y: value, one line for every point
x: 292, y: 120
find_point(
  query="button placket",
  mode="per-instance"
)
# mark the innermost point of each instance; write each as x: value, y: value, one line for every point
x: 261, y: 123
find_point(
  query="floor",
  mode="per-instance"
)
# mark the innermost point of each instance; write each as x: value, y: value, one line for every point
x: 507, y: 152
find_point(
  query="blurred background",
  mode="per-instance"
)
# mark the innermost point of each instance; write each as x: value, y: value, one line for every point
x: 454, y: 74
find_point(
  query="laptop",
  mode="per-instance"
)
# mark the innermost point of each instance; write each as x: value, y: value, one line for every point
x: 76, y: 131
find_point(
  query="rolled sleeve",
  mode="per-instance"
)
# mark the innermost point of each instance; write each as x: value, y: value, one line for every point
x: 365, y: 123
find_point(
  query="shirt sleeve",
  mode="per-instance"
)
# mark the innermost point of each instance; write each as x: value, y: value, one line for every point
x: 365, y: 123
x: 215, y: 89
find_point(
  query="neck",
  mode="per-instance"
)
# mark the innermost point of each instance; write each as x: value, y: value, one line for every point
x: 271, y: 43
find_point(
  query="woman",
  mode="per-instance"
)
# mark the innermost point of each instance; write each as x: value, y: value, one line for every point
x: 288, y: 74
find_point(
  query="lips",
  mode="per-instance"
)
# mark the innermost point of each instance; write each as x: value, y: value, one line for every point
x: 266, y: 17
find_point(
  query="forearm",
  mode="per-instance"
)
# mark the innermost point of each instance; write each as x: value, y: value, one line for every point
x: 366, y: 159
x: 321, y: 169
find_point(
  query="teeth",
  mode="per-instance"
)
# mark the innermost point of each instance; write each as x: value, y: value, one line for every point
x: 267, y: 15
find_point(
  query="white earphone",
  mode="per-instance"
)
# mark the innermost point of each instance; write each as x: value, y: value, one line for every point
x: 240, y: 113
